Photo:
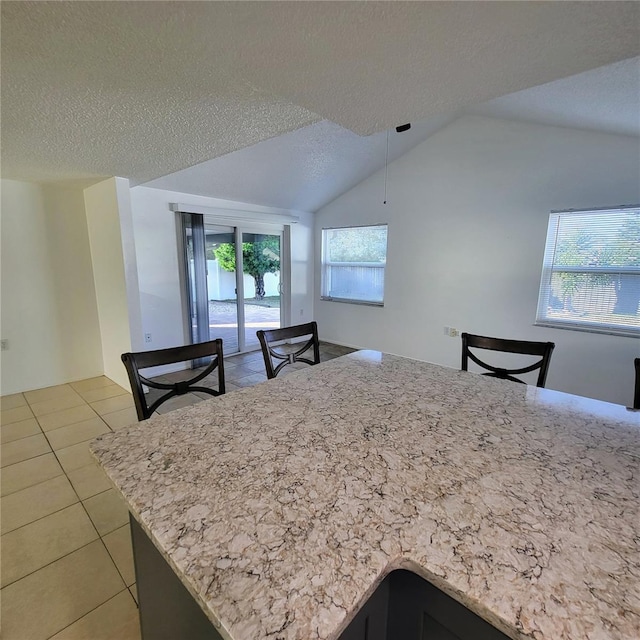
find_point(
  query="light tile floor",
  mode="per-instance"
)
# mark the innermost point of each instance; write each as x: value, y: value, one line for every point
x: 66, y: 565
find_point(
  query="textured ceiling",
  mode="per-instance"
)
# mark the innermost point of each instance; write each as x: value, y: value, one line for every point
x: 371, y: 66
x: 308, y: 168
x: 605, y: 99
x: 133, y: 89
x: 303, y: 169
x: 144, y: 89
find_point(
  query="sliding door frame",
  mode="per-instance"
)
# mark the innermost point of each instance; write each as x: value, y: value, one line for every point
x: 279, y: 230
x: 240, y: 226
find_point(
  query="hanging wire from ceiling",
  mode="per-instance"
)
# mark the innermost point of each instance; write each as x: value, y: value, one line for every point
x: 386, y: 169
x: 399, y: 129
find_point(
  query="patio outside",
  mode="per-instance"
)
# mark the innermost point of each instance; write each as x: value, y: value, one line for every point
x: 259, y: 314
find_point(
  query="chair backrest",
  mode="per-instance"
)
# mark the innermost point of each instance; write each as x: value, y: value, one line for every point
x: 524, y: 347
x: 144, y: 359
x: 636, y: 395
x: 290, y: 353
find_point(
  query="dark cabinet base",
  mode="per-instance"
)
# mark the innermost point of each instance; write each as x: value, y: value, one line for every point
x: 403, y: 607
x: 167, y: 610
x: 406, y: 607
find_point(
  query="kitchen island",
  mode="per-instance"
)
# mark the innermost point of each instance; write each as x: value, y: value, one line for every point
x: 282, y: 507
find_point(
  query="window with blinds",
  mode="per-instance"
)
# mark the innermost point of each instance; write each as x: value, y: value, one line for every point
x: 591, y: 271
x: 353, y: 264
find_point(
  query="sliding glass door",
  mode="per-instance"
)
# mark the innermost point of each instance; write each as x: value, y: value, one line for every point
x: 222, y: 298
x: 224, y: 264
x: 262, y: 289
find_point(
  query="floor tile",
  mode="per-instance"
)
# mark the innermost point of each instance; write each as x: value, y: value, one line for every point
x: 17, y: 430
x: 107, y: 511
x: 91, y: 383
x: 56, y: 404
x: 29, y: 472
x: 118, y: 545
x: 23, y: 449
x: 116, y: 619
x: 66, y: 417
x: 102, y: 393
x: 38, y: 501
x: 121, y: 419
x: 75, y: 457
x: 179, y: 402
x: 211, y: 382
x: 176, y: 376
x: 36, y: 545
x: 208, y: 396
x: 89, y: 481
x: 249, y: 381
x: 252, y: 356
x: 12, y: 401
x: 241, y: 371
x: 134, y: 591
x: 337, y: 349
x: 7, y: 416
x: 109, y: 405
x: 257, y: 366
x: 50, y: 393
x: 47, y: 601
x: 78, y: 432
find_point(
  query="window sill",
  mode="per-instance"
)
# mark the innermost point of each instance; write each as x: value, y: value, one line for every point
x: 587, y: 328
x: 366, y: 303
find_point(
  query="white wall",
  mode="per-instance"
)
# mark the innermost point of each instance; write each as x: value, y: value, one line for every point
x: 221, y: 284
x: 158, y: 264
x: 467, y: 212
x: 49, y: 312
x: 115, y: 273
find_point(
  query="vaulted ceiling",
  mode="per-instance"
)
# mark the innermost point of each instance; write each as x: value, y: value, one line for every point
x: 311, y: 166
x: 147, y: 89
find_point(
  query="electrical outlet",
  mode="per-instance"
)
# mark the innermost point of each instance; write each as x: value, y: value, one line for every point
x: 452, y: 332
x: 147, y: 337
x: 4, y: 344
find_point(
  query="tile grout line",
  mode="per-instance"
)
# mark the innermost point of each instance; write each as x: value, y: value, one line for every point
x: 35, y: 484
x: 48, y: 564
x: 79, y: 501
x: 57, y: 510
x: 92, y: 610
x: 99, y: 536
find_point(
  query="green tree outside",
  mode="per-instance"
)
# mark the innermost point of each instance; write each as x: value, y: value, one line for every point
x: 363, y: 244
x: 583, y: 249
x: 626, y: 252
x: 575, y: 251
x: 258, y: 258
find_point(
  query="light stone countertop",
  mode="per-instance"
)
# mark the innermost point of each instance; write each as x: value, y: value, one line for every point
x: 282, y: 506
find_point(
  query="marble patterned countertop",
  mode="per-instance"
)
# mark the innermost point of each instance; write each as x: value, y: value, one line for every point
x: 282, y: 506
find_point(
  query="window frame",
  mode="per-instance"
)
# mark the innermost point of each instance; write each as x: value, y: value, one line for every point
x: 324, y: 263
x: 549, y: 268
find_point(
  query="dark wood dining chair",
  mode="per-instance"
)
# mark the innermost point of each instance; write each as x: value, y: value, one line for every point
x: 274, y: 351
x: 636, y: 395
x: 524, y: 347
x: 134, y: 362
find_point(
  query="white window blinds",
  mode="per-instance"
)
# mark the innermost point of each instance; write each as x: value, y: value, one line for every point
x: 353, y: 264
x: 591, y: 271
